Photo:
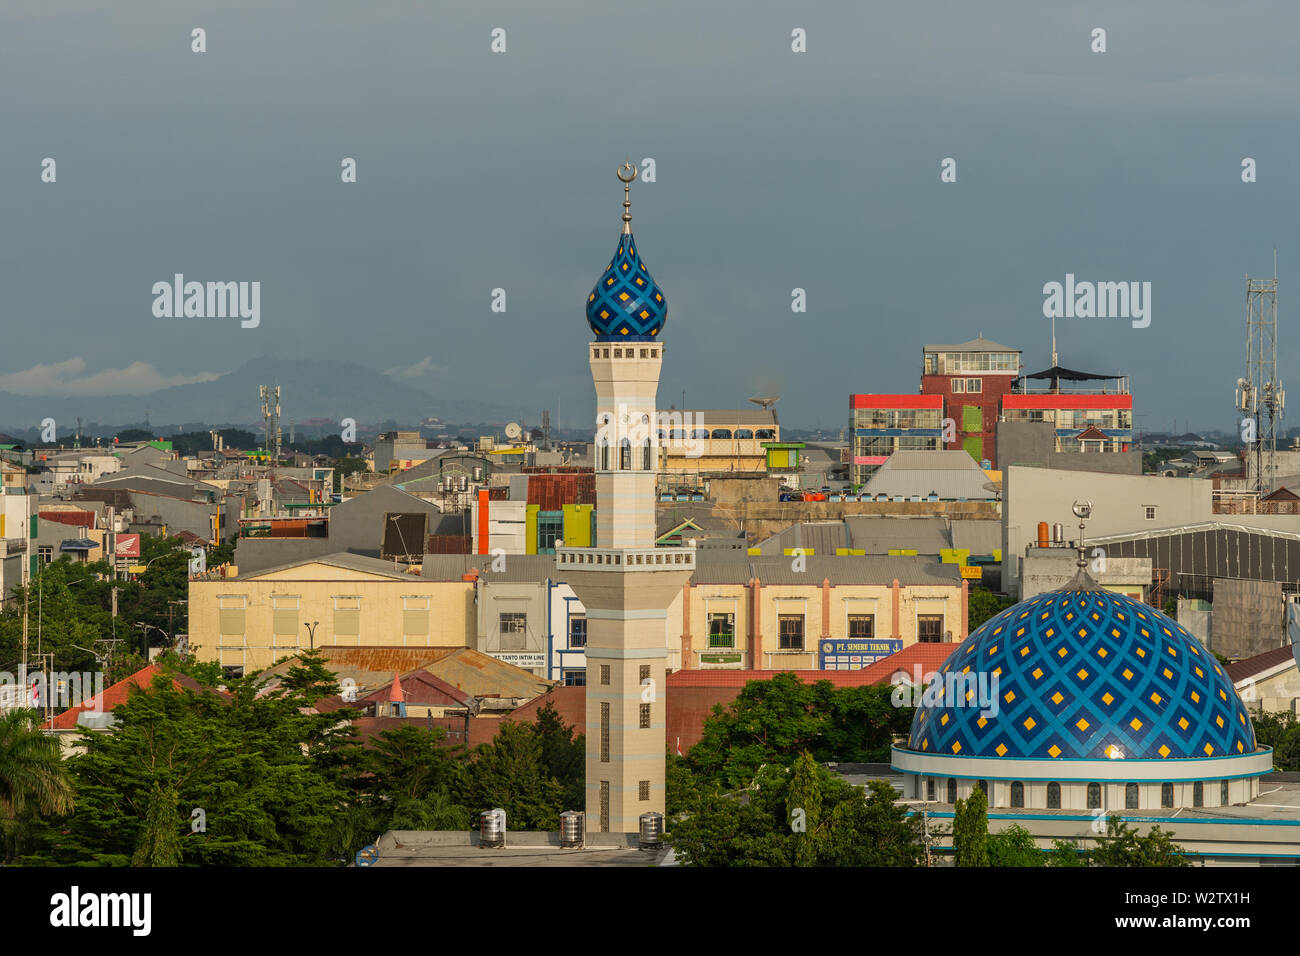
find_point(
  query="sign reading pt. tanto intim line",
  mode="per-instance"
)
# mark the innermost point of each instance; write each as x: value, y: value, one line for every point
x: 850, y: 655
x: 522, y: 660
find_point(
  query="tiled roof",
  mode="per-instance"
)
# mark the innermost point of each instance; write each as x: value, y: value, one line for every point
x: 928, y: 656
x: 720, y: 677
x: 117, y: 694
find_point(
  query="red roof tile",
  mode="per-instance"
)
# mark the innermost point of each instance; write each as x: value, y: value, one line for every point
x: 118, y: 693
x: 928, y: 656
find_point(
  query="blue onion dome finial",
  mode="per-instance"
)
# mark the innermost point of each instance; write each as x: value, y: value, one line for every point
x: 626, y: 304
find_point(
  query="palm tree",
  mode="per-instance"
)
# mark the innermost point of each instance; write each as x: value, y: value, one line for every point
x: 32, y: 774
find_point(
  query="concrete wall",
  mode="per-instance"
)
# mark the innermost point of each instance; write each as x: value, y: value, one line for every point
x: 1119, y: 503
x: 1046, y: 569
x: 513, y: 597
x: 1247, y: 618
x: 379, y: 599
x: 1034, y: 443
x: 1195, y: 616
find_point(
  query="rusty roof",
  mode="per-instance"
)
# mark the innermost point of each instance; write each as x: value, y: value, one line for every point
x: 468, y: 670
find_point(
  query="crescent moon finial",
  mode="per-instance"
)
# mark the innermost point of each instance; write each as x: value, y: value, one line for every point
x: 627, y: 195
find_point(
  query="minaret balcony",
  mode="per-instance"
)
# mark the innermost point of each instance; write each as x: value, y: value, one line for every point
x: 626, y: 559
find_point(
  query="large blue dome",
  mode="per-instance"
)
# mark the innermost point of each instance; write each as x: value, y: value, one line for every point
x: 1088, y: 674
x: 626, y: 304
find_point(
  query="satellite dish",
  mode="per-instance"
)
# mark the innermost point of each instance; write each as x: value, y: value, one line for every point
x: 765, y: 401
x: 513, y: 431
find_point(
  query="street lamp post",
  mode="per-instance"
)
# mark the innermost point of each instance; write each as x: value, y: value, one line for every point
x: 311, y: 633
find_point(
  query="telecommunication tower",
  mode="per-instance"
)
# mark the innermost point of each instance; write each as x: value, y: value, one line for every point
x: 270, y: 396
x: 1260, y: 396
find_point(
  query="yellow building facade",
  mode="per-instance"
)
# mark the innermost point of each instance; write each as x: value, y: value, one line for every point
x: 716, y: 441
x: 780, y: 626
x: 248, y: 623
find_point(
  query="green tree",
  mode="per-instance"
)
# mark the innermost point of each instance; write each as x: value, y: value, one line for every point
x: 872, y: 829
x: 682, y: 789
x: 510, y: 773
x: 564, y: 756
x: 252, y: 765
x: 1123, y: 846
x: 970, y: 830
x: 33, y: 779
x: 981, y: 605
x: 842, y: 825
x: 160, y: 838
x: 1067, y: 853
x: 803, y: 811
x: 1013, y: 846
x: 773, y: 721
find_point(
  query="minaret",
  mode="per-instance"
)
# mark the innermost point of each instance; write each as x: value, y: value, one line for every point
x: 624, y: 581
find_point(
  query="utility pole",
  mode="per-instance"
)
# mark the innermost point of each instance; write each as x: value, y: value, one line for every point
x: 925, y: 835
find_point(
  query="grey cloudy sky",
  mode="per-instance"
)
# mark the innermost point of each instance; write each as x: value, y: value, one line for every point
x: 775, y: 170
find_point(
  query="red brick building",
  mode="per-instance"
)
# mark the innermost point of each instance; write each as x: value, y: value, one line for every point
x: 972, y: 378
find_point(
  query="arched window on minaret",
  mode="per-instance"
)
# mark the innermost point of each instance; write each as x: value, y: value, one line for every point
x: 602, y: 454
x: 625, y: 455
x: 645, y: 456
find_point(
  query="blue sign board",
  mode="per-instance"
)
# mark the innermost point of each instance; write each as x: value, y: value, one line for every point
x: 367, y: 856
x: 853, y: 654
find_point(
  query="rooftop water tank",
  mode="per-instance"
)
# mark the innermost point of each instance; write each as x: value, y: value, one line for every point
x: 572, y: 828
x: 652, y: 830
x: 492, y: 828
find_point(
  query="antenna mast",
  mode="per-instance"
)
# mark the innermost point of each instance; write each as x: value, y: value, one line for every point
x: 1260, y: 394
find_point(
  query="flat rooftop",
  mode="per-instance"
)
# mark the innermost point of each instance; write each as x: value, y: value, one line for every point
x: 523, y: 848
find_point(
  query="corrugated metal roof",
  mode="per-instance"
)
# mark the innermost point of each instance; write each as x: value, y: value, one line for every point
x: 880, y: 534
x: 338, y: 559
x: 869, y: 569
x: 980, y: 344
x: 822, y: 537
x: 450, y: 567
x: 518, y: 568
x: 855, y: 569
x: 469, y: 670
x: 720, y: 417
x: 981, y: 537
x: 948, y: 474
x: 1251, y: 666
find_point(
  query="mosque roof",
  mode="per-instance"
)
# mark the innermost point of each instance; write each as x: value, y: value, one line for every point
x: 1084, y: 673
x: 626, y: 304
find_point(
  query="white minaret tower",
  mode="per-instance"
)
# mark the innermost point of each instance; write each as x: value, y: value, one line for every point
x: 624, y: 581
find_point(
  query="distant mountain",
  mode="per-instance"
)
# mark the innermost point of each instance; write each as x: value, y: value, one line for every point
x: 308, y: 389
